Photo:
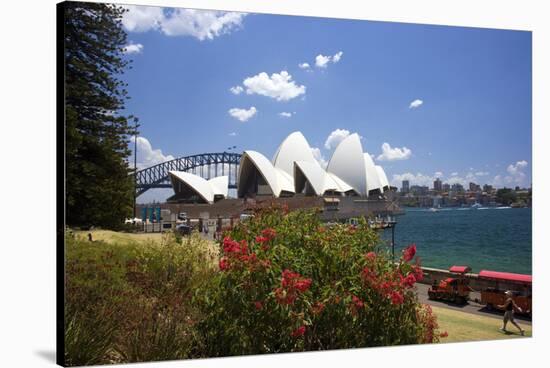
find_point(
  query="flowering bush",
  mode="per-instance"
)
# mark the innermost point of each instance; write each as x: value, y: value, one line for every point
x: 286, y: 282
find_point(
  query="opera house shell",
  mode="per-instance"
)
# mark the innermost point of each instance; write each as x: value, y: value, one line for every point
x: 196, y: 189
x: 293, y: 170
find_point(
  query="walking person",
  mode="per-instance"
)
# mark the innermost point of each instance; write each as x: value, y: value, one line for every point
x: 509, y: 306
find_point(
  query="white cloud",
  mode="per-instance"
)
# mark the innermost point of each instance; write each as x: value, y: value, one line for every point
x: 454, y: 174
x: 237, y: 90
x: 415, y: 104
x: 319, y: 157
x: 335, y: 138
x: 392, y: 154
x: 279, y: 86
x: 285, y: 114
x: 438, y: 174
x: 133, y: 48
x: 516, y: 175
x: 142, y: 18
x: 418, y: 179
x: 517, y: 168
x: 304, y: 66
x: 201, y: 24
x: 321, y: 61
x: 147, y: 156
x: 243, y: 114
x: 481, y: 173
x: 232, y: 134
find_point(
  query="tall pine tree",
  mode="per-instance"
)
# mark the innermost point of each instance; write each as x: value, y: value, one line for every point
x: 99, y: 184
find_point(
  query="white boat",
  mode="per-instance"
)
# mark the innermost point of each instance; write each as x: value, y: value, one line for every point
x: 433, y: 209
x: 476, y: 205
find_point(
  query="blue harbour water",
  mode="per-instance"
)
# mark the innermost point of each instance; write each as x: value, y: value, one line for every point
x: 497, y: 239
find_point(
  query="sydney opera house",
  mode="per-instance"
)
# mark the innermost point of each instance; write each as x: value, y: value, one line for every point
x: 293, y: 171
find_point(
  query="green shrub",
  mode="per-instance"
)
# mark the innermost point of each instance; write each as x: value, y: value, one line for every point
x: 289, y: 283
x: 130, y: 302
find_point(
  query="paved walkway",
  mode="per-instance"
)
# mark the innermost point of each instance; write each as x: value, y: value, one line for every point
x: 471, y: 307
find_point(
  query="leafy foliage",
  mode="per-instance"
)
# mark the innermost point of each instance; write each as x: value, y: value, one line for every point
x: 289, y: 283
x: 131, y: 302
x: 277, y: 283
x: 99, y: 188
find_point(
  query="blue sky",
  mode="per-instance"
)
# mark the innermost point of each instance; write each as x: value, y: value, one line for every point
x: 447, y: 102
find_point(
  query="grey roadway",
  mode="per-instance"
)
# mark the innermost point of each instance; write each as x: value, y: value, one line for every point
x: 472, y: 307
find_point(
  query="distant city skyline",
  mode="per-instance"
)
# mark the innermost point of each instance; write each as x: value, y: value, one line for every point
x: 444, y: 186
x: 428, y: 101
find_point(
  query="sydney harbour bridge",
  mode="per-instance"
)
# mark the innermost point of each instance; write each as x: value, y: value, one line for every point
x: 206, y: 165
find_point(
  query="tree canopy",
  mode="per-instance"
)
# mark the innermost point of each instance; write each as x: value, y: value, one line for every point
x: 99, y: 187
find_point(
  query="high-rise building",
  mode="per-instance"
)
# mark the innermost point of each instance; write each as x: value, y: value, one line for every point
x: 487, y: 188
x: 446, y: 187
x: 457, y: 187
x: 405, y: 186
x: 419, y: 189
x: 474, y: 187
x: 438, y: 185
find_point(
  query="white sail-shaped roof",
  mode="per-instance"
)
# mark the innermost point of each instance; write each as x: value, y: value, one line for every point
x: 220, y: 185
x: 293, y: 148
x: 285, y: 181
x: 342, y: 185
x: 206, y: 189
x: 277, y: 180
x: 293, y: 166
x: 382, y: 176
x: 347, y: 163
x: 373, y: 182
x: 317, y: 177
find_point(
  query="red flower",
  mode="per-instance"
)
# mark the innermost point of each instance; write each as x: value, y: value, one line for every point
x: 367, y: 273
x: 303, y: 284
x: 258, y: 304
x: 444, y: 334
x: 230, y: 246
x: 269, y: 233
x: 357, y: 302
x: 224, y: 264
x: 409, y: 252
x: 387, y: 286
x: 418, y: 273
x: 408, y: 281
x: 261, y: 239
x: 370, y: 256
x: 300, y: 331
x: 396, y: 298
x: 291, y: 284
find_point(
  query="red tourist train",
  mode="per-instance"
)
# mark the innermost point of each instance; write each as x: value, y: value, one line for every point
x: 452, y: 289
x: 456, y: 289
x: 520, y: 285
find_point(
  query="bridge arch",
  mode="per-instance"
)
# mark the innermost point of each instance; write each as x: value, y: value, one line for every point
x: 206, y: 165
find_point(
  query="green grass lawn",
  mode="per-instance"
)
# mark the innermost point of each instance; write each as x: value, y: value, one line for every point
x: 463, y: 326
x: 111, y: 237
